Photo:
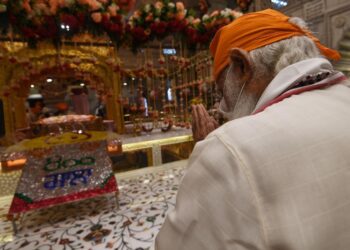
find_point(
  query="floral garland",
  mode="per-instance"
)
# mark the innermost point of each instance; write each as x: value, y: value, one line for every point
x: 37, y: 20
x: 201, y: 31
x: 158, y: 21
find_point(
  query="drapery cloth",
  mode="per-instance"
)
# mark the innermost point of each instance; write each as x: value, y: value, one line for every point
x: 276, y: 180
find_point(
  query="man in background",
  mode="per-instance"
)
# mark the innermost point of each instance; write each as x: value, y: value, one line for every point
x: 35, y: 111
x: 277, y: 176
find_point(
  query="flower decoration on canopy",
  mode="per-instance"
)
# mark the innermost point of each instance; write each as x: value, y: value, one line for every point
x: 38, y: 20
x: 126, y: 5
x: 201, y: 31
x: 158, y: 20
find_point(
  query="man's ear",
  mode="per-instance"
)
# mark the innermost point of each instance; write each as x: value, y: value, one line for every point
x: 242, y: 64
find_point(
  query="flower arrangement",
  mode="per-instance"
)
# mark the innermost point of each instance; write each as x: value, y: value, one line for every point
x: 37, y: 20
x: 201, y: 31
x: 158, y: 20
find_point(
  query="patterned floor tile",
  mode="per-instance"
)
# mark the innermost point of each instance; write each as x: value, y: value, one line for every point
x: 146, y: 196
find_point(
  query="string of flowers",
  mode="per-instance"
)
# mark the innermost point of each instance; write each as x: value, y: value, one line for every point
x: 37, y: 20
x: 158, y: 21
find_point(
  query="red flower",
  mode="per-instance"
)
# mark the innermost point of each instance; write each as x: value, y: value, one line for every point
x: 81, y: 18
x: 105, y: 21
x: 192, y: 35
x: 128, y: 28
x: 116, y: 19
x: 116, y: 28
x: 203, y: 38
x: 176, y: 26
x: 113, y: 24
x: 48, y: 29
x: 139, y: 34
x: 159, y: 28
x: 126, y: 5
x: 28, y: 33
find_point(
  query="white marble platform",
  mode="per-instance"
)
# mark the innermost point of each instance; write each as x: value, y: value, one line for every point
x: 146, y: 196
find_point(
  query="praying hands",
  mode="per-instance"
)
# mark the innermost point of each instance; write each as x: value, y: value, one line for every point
x: 202, y: 122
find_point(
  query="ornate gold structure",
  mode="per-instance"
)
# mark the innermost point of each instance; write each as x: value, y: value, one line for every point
x: 47, y: 54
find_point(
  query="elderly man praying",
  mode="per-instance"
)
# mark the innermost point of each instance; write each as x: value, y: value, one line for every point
x: 277, y: 178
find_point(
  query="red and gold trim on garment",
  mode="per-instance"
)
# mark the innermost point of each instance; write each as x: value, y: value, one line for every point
x: 300, y: 90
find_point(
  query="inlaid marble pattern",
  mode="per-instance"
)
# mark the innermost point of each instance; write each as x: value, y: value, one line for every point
x: 8, y: 182
x: 146, y: 196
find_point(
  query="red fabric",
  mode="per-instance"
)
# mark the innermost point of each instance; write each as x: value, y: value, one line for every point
x: 19, y: 206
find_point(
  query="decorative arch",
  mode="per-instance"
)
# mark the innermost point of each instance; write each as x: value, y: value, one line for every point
x: 21, y: 66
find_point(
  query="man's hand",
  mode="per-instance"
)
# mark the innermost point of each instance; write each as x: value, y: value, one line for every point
x: 202, y: 122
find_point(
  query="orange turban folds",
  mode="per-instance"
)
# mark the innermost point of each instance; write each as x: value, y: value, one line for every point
x: 255, y: 30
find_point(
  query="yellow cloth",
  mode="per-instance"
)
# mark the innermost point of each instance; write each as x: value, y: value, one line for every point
x: 65, y: 138
x: 255, y: 30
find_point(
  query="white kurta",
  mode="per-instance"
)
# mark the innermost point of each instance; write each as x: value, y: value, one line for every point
x: 276, y: 180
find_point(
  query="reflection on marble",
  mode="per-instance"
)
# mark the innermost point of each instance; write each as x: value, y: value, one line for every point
x: 156, y: 134
x: 146, y: 196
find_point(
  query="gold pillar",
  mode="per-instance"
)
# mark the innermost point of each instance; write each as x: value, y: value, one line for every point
x: 8, y: 119
x: 20, y: 114
x: 114, y: 110
x: 118, y: 114
x: 8, y: 114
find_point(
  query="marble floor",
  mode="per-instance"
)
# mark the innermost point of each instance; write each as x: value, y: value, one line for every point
x: 146, y: 196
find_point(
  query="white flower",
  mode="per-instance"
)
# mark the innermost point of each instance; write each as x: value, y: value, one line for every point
x: 37, y: 11
x: 147, y: 7
x: 69, y: 2
x: 226, y: 12
x: 236, y: 14
x: 171, y: 5
x: 3, y: 8
x: 158, y: 12
x: 190, y: 19
x: 205, y: 17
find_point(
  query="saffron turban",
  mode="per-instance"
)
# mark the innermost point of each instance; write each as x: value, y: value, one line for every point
x: 255, y: 30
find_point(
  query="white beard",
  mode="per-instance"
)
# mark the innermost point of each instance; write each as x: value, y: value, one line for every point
x: 236, y: 102
x: 242, y: 107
